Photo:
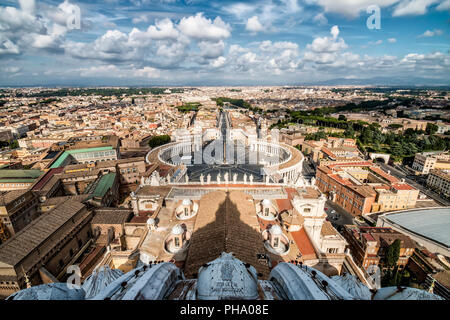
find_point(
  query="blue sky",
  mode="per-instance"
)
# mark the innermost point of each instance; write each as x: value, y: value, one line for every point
x: 193, y: 42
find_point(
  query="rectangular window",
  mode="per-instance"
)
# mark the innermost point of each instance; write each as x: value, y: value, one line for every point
x: 276, y: 242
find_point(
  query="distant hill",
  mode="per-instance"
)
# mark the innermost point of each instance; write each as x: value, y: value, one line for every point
x: 383, y: 81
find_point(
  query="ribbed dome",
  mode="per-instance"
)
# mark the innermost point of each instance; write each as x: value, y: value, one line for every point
x: 49, y: 291
x: 187, y: 202
x: 151, y: 222
x: 176, y: 230
x: 266, y: 203
x: 227, y: 278
x: 275, y: 230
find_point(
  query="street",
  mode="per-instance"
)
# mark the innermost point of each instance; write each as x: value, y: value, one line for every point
x: 308, y: 168
x: 400, y: 175
x: 344, y: 216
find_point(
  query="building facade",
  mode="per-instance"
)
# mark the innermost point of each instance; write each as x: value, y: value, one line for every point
x: 368, y: 245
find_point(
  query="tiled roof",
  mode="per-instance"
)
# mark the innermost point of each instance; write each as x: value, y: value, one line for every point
x: 303, y: 242
x: 226, y: 222
x: 327, y: 229
x: 26, y: 240
x: 20, y: 174
x: 46, y: 177
x: 111, y: 216
x: 383, y: 174
x: 66, y: 153
x: 402, y: 186
x: 105, y: 183
x: 9, y: 196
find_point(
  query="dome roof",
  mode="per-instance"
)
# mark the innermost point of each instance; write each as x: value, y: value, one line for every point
x: 50, y: 291
x: 275, y: 230
x: 355, y: 287
x: 99, y: 280
x: 394, y: 293
x: 266, y: 202
x: 227, y: 278
x: 151, y: 221
x: 177, y: 230
x: 187, y: 202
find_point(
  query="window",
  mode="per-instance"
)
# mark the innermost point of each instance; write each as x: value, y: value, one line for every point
x: 266, y: 212
x: 276, y: 242
x: 307, y: 210
x: 186, y: 211
x: 177, y: 242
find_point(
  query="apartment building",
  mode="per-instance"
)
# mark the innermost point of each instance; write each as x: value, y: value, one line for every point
x: 368, y: 245
x: 332, y: 149
x: 361, y: 188
x: 424, y: 162
x: 439, y: 181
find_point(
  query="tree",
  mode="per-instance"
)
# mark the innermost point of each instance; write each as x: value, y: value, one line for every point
x: 157, y: 141
x: 14, y: 144
x: 393, y: 253
x: 431, y: 128
x: 342, y: 117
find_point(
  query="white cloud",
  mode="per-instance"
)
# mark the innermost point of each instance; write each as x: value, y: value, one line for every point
x: 432, y: 33
x: 353, y: 8
x: 147, y: 72
x: 28, y: 28
x: 28, y: 6
x: 445, y: 5
x: 211, y: 50
x: 163, y: 29
x: 199, y: 27
x: 350, y: 8
x: 11, y: 69
x: 254, y: 25
x: 239, y: 10
x: 291, y: 6
x: 392, y: 40
x: 326, y: 44
x: 334, y: 32
x: 164, y: 44
x: 376, y: 43
x: 320, y: 19
x: 113, y: 71
x: 219, y: 62
x: 7, y: 46
x: 412, y: 7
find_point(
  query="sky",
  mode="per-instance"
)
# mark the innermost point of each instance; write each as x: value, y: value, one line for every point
x: 224, y: 42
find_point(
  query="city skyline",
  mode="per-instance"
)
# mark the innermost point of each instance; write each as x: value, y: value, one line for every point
x: 46, y: 43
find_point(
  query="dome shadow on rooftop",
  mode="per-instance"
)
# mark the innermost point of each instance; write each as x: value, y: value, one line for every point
x: 226, y: 222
